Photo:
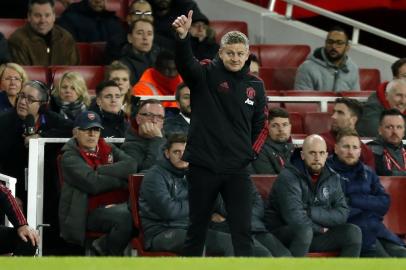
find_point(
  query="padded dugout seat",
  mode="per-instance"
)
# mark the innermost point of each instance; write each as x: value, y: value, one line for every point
x: 369, y: 78
x: 282, y: 55
x: 134, y: 185
x: 316, y: 122
x: 39, y: 73
x: 278, y: 78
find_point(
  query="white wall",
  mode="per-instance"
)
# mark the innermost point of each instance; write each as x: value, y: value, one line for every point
x: 267, y: 27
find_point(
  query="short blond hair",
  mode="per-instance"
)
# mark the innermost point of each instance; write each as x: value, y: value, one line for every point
x: 16, y: 67
x: 78, y: 83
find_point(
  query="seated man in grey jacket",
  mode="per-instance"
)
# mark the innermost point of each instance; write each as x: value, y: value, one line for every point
x: 143, y: 140
x: 164, y: 204
x: 95, y: 176
x: 307, y: 210
x: 329, y: 68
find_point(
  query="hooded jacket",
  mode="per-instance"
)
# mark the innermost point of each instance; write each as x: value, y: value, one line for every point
x: 229, y: 116
x: 295, y: 200
x: 318, y: 73
x: 81, y: 181
x: 163, y: 200
x: 368, y: 201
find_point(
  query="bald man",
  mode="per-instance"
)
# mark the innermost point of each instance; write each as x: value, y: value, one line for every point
x: 307, y: 210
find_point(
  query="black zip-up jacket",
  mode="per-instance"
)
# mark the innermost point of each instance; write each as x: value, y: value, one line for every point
x: 228, y: 123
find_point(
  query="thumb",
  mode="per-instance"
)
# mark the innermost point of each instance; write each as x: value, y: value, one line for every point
x: 189, y: 15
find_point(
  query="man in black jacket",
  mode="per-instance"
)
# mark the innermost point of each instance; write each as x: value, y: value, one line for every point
x: 228, y: 128
x: 307, y: 210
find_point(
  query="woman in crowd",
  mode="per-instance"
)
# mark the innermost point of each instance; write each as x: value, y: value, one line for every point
x: 12, y: 78
x: 70, y: 97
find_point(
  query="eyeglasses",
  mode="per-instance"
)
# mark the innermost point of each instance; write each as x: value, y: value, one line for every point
x: 12, y: 79
x: 140, y: 13
x: 151, y: 116
x: 339, y: 43
x: 30, y: 100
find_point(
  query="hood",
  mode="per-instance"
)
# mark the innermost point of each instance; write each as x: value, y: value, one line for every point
x: 320, y: 58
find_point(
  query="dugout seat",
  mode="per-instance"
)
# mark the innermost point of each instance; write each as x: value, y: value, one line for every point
x: 369, y: 78
x: 278, y: 78
x: 8, y: 26
x: 39, y: 73
x: 316, y: 122
x: 283, y: 55
x: 222, y: 27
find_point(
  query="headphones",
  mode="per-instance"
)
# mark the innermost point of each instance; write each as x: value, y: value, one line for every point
x: 44, y: 91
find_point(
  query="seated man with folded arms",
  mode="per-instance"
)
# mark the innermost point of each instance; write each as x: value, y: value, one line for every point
x: 307, y: 210
x: 164, y: 204
x: 143, y: 140
x: 278, y: 147
x: 366, y: 197
x: 388, y: 148
x: 20, y: 240
x: 93, y: 172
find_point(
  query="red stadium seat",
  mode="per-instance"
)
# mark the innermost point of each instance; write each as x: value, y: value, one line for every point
x: 97, y: 52
x: 39, y: 73
x: 120, y: 7
x: 296, y: 120
x: 304, y: 107
x: 283, y: 55
x: 278, y: 78
x: 93, y: 75
x: 369, y: 78
x: 364, y: 93
x: 8, y: 26
x: 395, y: 218
x: 255, y: 50
x: 222, y: 27
x: 134, y: 185
x: 84, y: 52
x: 316, y: 122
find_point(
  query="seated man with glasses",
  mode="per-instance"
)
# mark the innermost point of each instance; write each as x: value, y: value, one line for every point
x: 28, y: 120
x: 329, y: 68
x: 144, y: 139
x: 95, y: 176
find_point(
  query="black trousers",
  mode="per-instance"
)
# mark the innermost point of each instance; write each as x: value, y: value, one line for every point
x: 10, y: 242
x: 204, y: 187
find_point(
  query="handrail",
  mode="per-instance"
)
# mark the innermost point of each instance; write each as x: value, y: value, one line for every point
x: 357, y: 26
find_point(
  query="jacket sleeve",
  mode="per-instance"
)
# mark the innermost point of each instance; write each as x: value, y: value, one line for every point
x: 121, y: 160
x: 260, y: 121
x: 292, y: 207
x: 9, y: 206
x: 188, y: 66
x: 19, y: 53
x: 334, y: 214
x: 155, y: 189
x: 56, y: 126
x: 4, y: 52
x: 378, y: 201
x: 303, y: 79
x: 80, y: 175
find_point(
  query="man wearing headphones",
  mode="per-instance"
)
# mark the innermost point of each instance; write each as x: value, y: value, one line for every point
x: 29, y: 119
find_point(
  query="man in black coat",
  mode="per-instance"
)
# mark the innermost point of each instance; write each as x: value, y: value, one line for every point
x: 227, y: 130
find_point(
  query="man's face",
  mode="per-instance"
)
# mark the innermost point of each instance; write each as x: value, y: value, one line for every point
x: 348, y: 149
x: 397, y: 97
x: 122, y: 79
x: 11, y: 82
x: 314, y: 155
x: 392, y: 129
x: 110, y: 99
x: 97, y: 5
x: 140, y: 10
x: 184, y: 101
x: 401, y: 72
x: 41, y: 18
x: 336, y: 46
x: 151, y: 113
x: 28, y: 102
x: 234, y: 56
x: 142, y: 37
x: 168, y: 68
x: 279, y: 129
x: 175, y: 153
x: 342, y: 118
x: 87, y: 138
x: 198, y: 30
